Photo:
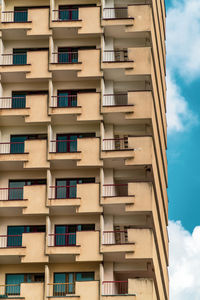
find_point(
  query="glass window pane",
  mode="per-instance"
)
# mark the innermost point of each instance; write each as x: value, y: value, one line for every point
x: 13, y: 282
x: 14, y: 238
x: 16, y: 190
x: 18, y: 100
x: 17, y: 144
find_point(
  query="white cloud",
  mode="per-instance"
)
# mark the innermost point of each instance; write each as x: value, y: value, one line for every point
x: 183, y: 44
x: 183, y: 38
x: 184, y: 262
x: 179, y: 115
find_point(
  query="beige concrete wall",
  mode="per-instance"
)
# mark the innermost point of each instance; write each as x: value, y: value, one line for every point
x: 38, y: 111
x: 37, y: 154
x: 34, y: 254
x: 36, y: 196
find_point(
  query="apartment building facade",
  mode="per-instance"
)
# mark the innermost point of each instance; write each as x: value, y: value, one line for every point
x: 83, y: 168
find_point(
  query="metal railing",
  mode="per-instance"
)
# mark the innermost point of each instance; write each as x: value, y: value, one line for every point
x: 14, y: 59
x: 115, y: 287
x: 115, y: 144
x: 115, y: 99
x: 115, y: 190
x: 62, y: 289
x: 7, y: 194
x: 115, y: 237
x: 12, y: 102
x: 9, y: 290
x: 63, y: 192
x: 10, y: 241
x: 62, y: 239
x: 68, y: 57
x: 14, y: 16
x: 68, y: 14
x: 11, y: 147
x: 115, y: 55
x: 64, y: 101
x: 63, y: 146
x: 115, y: 13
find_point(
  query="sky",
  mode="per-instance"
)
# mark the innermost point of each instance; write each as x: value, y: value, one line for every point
x: 183, y: 117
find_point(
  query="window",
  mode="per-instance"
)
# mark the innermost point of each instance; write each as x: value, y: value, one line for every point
x: 18, y: 100
x: 17, y: 141
x: 67, y: 55
x: 16, y: 187
x: 19, y: 56
x: 68, y: 142
x: 20, y: 14
x: 65, y: 235
x: 14, y: 233
x: 13, y: 282
x: 67, y: 188
x: 68, y: 13
x: 64, y: 283
x: 67, y: 99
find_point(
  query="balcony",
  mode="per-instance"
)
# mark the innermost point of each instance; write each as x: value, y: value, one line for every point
x: 22, y: 291
x: 32, y: 153
x: 80, y: 246
x: 120, y: 193
x: 117, y: 59
x: 20, y: 248
x: 77, y: 150
x: 80, y: 290
x: 117, y: 103
x: 86, y: 20
x: 117, y: 148
x: 84, y: 105
x: 32, y: 107
x: 116, y: 16
x: 34, y: 64
x: 85, y: 62
x: 84, y: 197
x: 117, y: 241
x: 130, y: 289
x: 27, y: 19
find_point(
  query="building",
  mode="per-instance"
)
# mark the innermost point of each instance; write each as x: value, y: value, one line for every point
x: 83, y: 168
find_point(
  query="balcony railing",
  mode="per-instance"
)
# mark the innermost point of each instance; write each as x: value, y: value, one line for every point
x: 115, y: 100
x: 115, y: 13
x: 65, y: 15
x: 114, y: 288
x: 12, y: 148
x: 115, y: 144
x: 115, y: 55
x: 62, y: 289
x: 10, y: 241
x: 68, y: 57
x: 15, y: 16
x: 63, y: 146
x: 7, y: 194
x: 12, y: 102
x: 115, y: 190
x: 9, y: 290
x: 62, y: 239
x: 63, y: 192
x: 64, y: 101
x: 14, y: 59
x: 115, y: 237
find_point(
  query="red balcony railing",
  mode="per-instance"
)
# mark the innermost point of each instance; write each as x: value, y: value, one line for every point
x: 115, y: 100
x: 63, y: 146
x: 62, y: 239
x: 115, y: 190
x: 7, y: 194
x: 63, y: 192
x: 11, y: 147
x: 64, y: 101
x: 115, y: 288
x: 116, y: 237
x: 68, y: 14
x: 115, y: 144
x: 115, y: 55
x: 115, y: 13
x: 10, y: 241
x: 12, y: 102
x: 68, y: 57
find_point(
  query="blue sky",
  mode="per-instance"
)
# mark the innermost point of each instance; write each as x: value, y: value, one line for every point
x: 184, y: 154
x: 183, y: 116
